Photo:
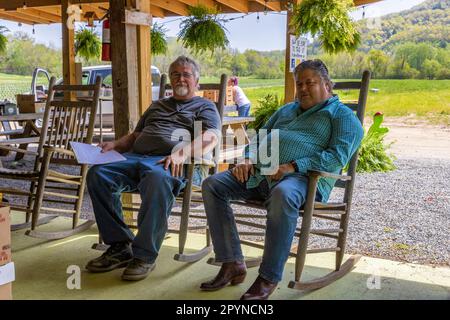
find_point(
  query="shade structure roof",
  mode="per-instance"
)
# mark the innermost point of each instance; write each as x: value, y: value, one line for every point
x: 49, y: 11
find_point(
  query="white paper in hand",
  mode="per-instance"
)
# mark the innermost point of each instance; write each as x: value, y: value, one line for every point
x: 89, y: 154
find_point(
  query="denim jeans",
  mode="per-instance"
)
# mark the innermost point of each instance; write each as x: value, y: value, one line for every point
x: 158, y: 190
x: 244, y: 110
x: 282, y: 202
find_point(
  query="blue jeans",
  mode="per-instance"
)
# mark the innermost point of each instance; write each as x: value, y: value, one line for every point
x: 244, y: 110
x: 158, y: 190
x: 282, y: 202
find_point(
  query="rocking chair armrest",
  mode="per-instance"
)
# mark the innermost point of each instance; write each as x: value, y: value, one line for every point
x: 328, y: 175
x: 48, y: 149
x: 18, y: 150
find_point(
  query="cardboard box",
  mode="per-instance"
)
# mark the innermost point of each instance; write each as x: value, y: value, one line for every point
x: 229, y: 99
x: 6, y: 267
x: 213, y: 95
x: 27, y: 104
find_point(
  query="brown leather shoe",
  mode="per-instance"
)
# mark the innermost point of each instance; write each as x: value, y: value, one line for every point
x: 230, y: 272
x: 261, y: 289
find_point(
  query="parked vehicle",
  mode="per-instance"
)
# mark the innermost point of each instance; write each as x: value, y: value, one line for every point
x: 88, y: 77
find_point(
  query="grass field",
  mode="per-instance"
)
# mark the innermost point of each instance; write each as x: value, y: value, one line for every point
x: 10, y: 85
x: 428, y: 99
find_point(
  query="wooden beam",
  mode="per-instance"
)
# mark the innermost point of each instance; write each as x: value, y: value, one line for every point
x: 237, y: 5
x: 124, y: 70
x: 271, y: 5
x: 206, y: 3
x: 144, y: 60
x: 172, y: 6
x: 51, y: 9
x: 92, y: 8
x: 40, y: 16
x: 157, y: 11
x: 8, y: 15
x: 68, y: 47
x: 289, y: 83
x: 14, y: 4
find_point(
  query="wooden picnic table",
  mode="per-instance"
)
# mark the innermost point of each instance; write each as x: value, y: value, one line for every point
x: 29, y: 134
x: 238, y: 125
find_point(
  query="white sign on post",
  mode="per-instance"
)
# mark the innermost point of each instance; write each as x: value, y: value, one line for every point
x: 298, y: 51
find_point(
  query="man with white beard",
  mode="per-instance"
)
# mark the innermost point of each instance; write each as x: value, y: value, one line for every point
x: 150, y: 151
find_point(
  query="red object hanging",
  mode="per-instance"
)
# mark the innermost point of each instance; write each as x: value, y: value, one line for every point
x: 106, y: 41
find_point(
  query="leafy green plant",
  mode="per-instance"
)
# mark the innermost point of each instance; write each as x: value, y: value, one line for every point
x: 87, y: 43
x: 3, y: 39
x: 330, y: 19
x: 372, y: 153
x: 158, y: 39
x: 267, y: 107
x: 202, y: 30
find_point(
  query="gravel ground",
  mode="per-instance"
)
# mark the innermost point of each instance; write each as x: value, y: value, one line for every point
x: 401, y: 215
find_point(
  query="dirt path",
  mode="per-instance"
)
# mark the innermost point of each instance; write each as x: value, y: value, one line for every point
x: 419, y: 140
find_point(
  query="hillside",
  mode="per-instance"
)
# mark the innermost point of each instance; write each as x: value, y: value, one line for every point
x: 426, y: 22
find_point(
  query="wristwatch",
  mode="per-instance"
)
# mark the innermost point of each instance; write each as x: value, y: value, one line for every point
x: 294, y: 164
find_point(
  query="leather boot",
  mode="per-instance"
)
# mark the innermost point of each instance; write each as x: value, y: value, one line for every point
x: 261, y: 289
x: 230, y: 272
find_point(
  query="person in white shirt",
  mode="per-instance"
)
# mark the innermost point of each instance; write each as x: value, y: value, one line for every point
x: 240, y: 99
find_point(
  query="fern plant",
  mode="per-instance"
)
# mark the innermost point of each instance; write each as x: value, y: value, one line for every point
x: 158, y: 39
x: 267, y: 107
x: 202, y: 30
x: 330, y: 20
x: 372, y: 153
x: 87, y: 44
x: 3, y: 39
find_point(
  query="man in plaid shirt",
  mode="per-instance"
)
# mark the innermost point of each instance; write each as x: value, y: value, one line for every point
x: 316, y: 132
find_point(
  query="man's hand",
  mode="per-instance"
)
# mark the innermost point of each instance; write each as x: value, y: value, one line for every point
x: 107, y: 146
x: 241, y: 171
x: 175, y: 161
x: 282, y: 170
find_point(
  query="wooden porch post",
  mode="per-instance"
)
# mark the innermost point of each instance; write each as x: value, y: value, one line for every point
x: 289, y: 84
x: 68, y: 45
x: 144, y: 61
x: 124, y: 70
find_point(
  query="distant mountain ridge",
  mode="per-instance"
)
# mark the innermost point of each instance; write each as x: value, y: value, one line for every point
x: 427, y: 22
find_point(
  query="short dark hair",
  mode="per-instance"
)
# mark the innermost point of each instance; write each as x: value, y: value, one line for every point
x: 317, y: 66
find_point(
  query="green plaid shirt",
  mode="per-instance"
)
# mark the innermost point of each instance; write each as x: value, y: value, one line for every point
x: 323, y: 138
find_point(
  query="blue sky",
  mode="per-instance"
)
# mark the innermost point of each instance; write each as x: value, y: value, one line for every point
x: 243, y: 33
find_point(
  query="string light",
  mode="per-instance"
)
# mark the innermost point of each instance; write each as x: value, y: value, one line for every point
x: 24, y: 5
x: 33, y: 28
x: 257, y: 17
x: 364, y: 12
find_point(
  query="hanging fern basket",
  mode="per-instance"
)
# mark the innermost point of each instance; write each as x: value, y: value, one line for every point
x: 203, y: 30
x: 87, y: 44
x: 330, y: 20
x: 158, y: 40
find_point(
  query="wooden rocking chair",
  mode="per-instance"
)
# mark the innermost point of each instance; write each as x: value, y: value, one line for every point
x: 337, y: 212
x: 64, y: 121
x: 190, y: 197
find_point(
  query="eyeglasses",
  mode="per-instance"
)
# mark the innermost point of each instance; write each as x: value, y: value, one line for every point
x: 177, y: 75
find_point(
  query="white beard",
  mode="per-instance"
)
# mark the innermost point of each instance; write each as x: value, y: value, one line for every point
x: 181, y: 91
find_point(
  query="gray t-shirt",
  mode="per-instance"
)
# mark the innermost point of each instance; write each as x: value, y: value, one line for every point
x: 159, y: 121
